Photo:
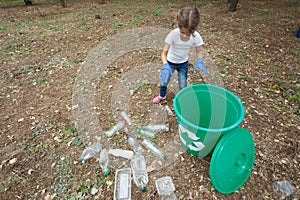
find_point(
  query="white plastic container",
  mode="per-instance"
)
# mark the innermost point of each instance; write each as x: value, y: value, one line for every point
x: 283, y: 188
x: 165, y: 188
x: 122, y: 190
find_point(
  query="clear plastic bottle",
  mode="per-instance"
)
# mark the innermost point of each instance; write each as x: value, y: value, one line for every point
x: 134, y: 144
x: 156, y: 127
x: 283, y: 188
x: 126, y: 118
x: 90, y: 151
x: 153, y: 148
x: 122, y: 189
x: 104, y: 161
x: 165, y: 188
x: 146, y: 133
x: 115, y: 128
x: 139, y: 171
x: 169, y: 111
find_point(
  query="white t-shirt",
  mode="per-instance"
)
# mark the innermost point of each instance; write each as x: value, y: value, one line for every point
x: 179, y: 50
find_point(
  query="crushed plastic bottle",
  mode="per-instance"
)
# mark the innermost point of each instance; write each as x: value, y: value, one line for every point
x: 134, y: 144
x: 165, y: 188
x: 139, y: 171
x: 146, y: 133
x: 153, y: 148
x: 115, y: 128
x: 169, y: 111
x: 127, y: 154
x: 283, y: 188
x: 126, y: 118
x: 122, y: 190
x: 90, y: 151
x: 104, y: 161
x: 156, y: 127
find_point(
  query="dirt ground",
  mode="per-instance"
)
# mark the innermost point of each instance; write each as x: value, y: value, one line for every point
x: 44, y: 46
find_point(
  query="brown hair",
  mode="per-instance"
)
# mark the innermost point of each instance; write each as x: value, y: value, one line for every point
x: 188, y: 18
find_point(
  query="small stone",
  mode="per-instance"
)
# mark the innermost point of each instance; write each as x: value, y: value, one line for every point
x: 283, y: 161
x: 13, y: 161
x: 94, y: 191
x: 30, y: 171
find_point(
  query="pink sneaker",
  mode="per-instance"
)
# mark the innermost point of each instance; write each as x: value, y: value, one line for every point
x: 158, y: 99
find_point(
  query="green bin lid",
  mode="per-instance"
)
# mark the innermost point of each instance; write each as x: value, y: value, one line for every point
x: 232, y: 160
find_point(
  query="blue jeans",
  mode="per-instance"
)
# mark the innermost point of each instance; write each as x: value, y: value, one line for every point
x: 182, y: 70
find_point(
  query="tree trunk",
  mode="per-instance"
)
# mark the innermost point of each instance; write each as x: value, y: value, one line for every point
x: 28, y: 2
x: 63, y: 3
x: 233, y: 4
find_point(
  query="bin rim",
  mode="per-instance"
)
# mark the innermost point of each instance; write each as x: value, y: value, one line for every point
x: 225, y: 129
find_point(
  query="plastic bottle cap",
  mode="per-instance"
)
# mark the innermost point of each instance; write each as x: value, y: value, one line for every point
x: 143, y: 188
x: 80, y: 160
x: 128, y: 135
x: 106, y: 172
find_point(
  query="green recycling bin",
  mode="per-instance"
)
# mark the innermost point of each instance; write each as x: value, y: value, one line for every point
x: 208, y: 123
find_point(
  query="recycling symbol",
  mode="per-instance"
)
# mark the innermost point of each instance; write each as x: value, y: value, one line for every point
x: 190, y: 140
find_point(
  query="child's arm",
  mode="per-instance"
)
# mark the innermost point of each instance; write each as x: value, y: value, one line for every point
x: 199, y: 63
x: 164, y: 53
x: 198, y: 52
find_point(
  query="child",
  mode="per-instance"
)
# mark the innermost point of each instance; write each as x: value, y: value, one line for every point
x: 177, y: 46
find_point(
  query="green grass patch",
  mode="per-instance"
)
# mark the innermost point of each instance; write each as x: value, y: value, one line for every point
x: 223, y: 57
x: 296, y: 51
x: 117, y: 25
x: 77, y: 60
x: 158, y: 11
x: 86, y: 25
x: 3, y: 28
x: 137, y: 19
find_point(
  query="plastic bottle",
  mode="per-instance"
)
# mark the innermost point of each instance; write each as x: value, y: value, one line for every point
x: 126, y: 118
x: 104, y: 161
x: 156, y: 127
x: 165, y: 188
x: 283, y: 188
x: 134, y: 144
x: 169, y: 111
x: 122, y: 189
x: 115, y: 128
x: 139, y: 171
x: 127, y: 154
x: 146, y: 133
x: 90, y: 151
x: 153, y: 148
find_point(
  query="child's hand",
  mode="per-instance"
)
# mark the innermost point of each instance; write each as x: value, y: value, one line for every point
x: 199, y: 64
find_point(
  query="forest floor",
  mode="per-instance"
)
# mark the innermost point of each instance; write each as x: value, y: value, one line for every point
x: 66, y: 73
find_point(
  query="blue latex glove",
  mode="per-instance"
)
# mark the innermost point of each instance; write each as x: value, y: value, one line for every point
x: 165, y: 74
x: 199, y: 64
